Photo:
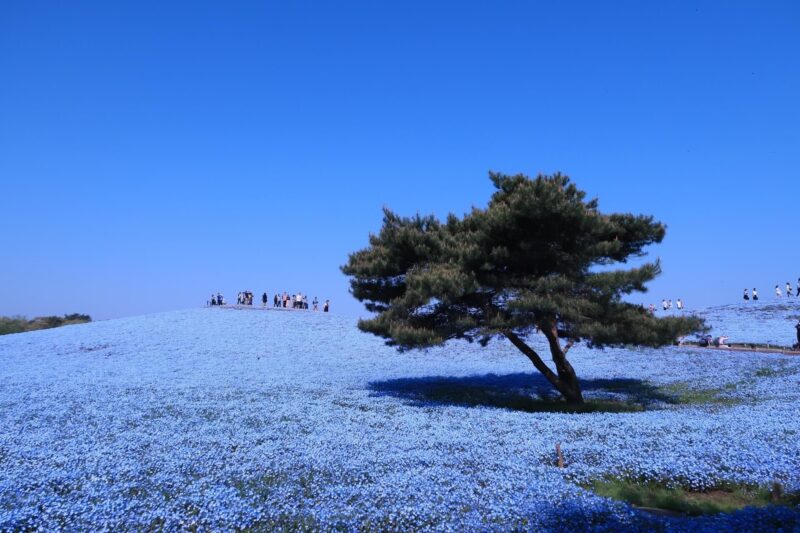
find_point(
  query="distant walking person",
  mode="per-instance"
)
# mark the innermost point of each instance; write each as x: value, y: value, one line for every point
x: 679, y: 304
x: 797, y: 327
x: 746, y: 296
x: 264, y: 299
x: 664, y: 304
x: 327, y: 306
x: 755, y: 294
x: 315, y: 303
x: 778, y: 292
x: 788, y: 289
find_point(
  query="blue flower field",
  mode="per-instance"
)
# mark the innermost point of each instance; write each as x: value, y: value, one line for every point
x: 215, y: 419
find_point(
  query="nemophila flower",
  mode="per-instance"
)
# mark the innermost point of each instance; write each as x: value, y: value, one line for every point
x: 226, y: 420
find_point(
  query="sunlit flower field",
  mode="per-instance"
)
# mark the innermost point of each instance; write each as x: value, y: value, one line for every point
x: 223, y: 419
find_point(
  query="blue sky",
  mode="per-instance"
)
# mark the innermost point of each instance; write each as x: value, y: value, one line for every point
x: 154, y: 152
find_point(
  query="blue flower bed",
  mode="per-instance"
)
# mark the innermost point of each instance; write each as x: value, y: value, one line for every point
x: 221, y: 419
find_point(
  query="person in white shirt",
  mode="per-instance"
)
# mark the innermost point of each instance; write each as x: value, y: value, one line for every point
x: 679, y: 303
x: 778, y: 292
x: 788, y: 289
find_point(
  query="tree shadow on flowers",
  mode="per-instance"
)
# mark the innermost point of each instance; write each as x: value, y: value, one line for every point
x: 529, y: 392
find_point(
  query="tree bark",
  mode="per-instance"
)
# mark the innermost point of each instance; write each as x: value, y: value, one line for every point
x: 565, y: 382
x: 566, y: 374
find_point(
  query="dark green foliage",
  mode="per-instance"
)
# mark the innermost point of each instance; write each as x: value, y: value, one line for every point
x: 19, y: 324
x: 724, y: 499
x: 538, y: 258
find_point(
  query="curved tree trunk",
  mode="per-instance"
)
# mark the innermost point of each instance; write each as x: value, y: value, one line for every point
x: 565, y: 380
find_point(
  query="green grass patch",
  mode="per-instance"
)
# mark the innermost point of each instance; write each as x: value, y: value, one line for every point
x: 519, y: 401
x: 678, y: 500
x: 681, y: 393
x: 780, y: 369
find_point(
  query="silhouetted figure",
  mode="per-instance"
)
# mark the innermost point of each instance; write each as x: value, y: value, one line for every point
x: 797, y: 327
x: 746, y: 296
x: 755, y: 294
x: 264, y: 300
x: 327, y: 306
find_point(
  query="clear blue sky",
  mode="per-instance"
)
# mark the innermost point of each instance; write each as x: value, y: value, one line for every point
x: 154, y: 152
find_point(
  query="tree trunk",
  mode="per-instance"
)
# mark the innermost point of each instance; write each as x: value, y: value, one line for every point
x: 565, y: 382
x: 566, y: 374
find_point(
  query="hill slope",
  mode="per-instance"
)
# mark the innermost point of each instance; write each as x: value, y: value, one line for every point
x: 227, y: 418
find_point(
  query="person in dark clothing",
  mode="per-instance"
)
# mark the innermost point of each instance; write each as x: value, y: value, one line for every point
x: 327, y: 306
x: 797, y: 327
x: 264, y: 300
x: 746, y: 296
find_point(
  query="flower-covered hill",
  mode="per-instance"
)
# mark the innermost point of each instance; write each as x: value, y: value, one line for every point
x: 764, y: 321
x: 223, y: 418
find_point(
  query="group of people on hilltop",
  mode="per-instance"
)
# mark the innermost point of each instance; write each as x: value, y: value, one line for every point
x: 295, y: 301
x: 666, y: 305
x: 284, y: 301
x: 778, y: 293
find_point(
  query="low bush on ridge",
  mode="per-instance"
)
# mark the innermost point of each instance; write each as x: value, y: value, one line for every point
x: 20, y: 324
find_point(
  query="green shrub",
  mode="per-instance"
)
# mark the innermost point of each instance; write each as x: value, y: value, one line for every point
x: 20, y: 324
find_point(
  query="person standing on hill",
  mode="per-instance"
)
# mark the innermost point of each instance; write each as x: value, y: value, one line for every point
x: 755, y: 294
x: 788, y: 289
x: 664, y: 304
x: 327, y: 306
x: 679, y: 305
x: 746, y: 296
x: 797, y: 327
x: 778, y: 292
x: 264, y: 299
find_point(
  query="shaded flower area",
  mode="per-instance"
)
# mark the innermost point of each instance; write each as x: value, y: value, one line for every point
x: 215, y: 419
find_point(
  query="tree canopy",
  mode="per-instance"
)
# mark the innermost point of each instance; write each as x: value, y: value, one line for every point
x: 538, y: 258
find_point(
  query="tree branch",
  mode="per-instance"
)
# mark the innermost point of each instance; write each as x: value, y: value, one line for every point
x: 559, y: 355
x: 532, y: 355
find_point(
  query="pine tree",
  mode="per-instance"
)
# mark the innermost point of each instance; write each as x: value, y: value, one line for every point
x: 538, y: 258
